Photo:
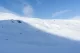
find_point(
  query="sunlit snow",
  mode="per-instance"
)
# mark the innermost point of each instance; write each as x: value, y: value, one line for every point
x: 67, y: 28
x: 33, y: 35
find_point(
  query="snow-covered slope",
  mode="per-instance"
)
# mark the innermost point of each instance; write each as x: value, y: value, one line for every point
x: 33, y: 35
x: 67, y: 28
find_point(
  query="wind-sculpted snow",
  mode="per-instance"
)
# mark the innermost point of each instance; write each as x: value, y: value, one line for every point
x: 33, y: 35
x: 64, y: 28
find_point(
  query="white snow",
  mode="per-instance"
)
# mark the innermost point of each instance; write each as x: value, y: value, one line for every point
x: 34, y: 35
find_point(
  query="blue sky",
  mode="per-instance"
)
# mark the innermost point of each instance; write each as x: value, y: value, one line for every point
x: 57, y: 9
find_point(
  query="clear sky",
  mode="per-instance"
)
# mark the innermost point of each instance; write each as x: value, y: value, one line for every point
x: 59, y: 9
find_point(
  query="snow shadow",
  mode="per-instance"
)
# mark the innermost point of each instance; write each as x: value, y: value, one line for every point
x: 23, y: 33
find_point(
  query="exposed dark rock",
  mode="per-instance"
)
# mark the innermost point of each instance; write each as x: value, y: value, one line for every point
x: 20, y: 33
x: 19, y: 21
x: 6, y: 39
x: 12, y: 21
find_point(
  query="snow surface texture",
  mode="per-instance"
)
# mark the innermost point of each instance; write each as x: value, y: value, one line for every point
x: 33, y: 35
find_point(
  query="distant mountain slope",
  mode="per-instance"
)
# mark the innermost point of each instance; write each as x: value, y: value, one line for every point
x: 33, y: 35
x: 64, y: 28
x: 19, y: 31
x: 68, y: 28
